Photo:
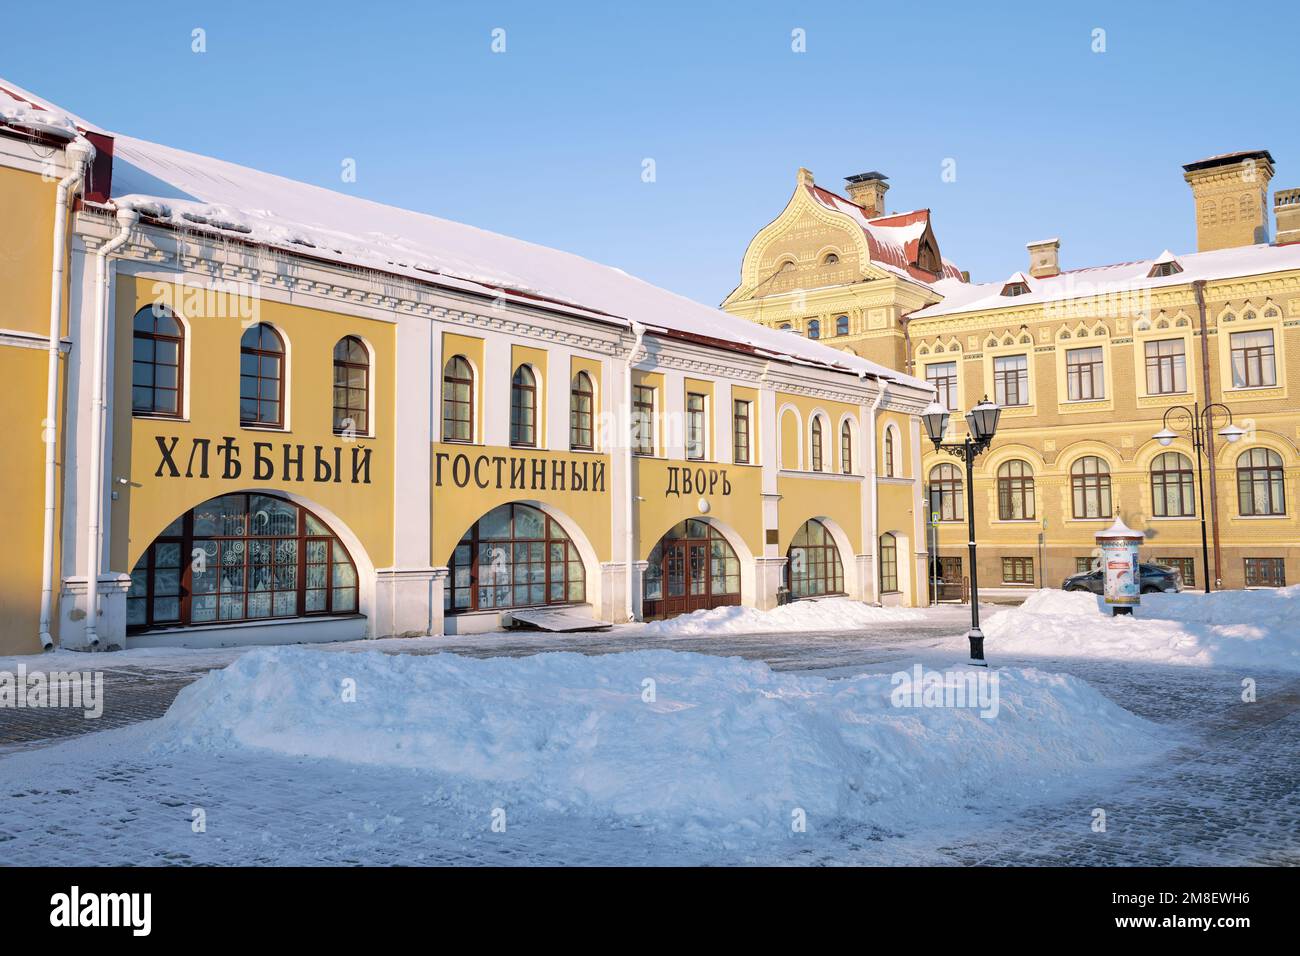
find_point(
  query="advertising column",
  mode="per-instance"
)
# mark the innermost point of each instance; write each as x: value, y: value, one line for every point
x: 1121, y: 575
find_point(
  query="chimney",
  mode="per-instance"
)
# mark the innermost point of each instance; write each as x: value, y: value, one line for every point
x: 868, y: 191
x: 1231, y: 196
x: 1286, y: 206
x: 1044, y: 258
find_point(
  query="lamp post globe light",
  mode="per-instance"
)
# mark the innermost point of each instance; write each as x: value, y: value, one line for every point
x: 981, y: 424
x: 1201, y: 421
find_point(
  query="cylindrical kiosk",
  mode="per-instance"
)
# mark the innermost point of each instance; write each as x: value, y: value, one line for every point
x: 1121, y: 573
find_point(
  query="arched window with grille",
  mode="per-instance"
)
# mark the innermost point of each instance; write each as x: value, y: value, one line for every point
x: 351, y: 387
x: 241, y: 557
x: 523, y: 408
x: 1090, y: 488
x: 888, y: 564
x: 1172, y: 494
x: 157, y: 362
x: 947, y: 493
x: 457, y: 400
x: 582, y: 400
x: 1261, y: 485
x: 846, y: 448
x: 261, y: 377
x: 813, y: 562
x: 1015, y: 491
x: 888, y: 465
x: 514, y: 556
x: 818, y: 460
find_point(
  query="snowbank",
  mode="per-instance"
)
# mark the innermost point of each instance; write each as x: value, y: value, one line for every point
x: 1236, y: 628
x: 829, y: 614
x: 724, y: 748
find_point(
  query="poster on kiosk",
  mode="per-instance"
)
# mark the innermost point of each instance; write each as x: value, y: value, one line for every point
x: 1121, y: 572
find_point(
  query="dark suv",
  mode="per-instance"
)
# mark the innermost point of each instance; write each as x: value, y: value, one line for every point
x: 1155, y: 578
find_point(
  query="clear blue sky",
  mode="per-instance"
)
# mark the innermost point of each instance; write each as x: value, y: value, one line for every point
x: 546, y: 140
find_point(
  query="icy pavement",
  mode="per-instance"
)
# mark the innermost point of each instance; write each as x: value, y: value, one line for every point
x: 1226, y: 795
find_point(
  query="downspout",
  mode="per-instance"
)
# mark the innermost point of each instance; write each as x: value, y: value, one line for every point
x: 630, y: 514
x: 126, y: 218
x: 1198, y: 289
x: 78, y: 154
x: 873, y: 493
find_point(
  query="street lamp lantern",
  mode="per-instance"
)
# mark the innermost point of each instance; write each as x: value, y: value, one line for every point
x: 1231, y: 432
x: 936, y: 418
x: 982, y: 422
x: 1165, y: 437
x: 984, y: 417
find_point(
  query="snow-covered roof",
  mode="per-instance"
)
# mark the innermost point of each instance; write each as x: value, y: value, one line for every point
x: 188, y: 190
x: 894, y: 240
x: 1124, y: 278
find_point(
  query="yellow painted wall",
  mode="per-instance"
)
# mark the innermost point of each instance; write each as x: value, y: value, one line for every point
x: 740, y: 511
x: 152, y: 500
x: 26, y: 244
x: 837, y: 499
x: 457, y: 507
x: 26, y: 241
x: 22, y: 488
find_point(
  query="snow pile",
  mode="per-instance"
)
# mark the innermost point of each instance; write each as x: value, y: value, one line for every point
x: 1234, y: 628
x: 828, y: 614
x: 722, y: 748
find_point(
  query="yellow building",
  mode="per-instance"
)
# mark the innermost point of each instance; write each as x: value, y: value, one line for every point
x: 1086, y: 363
x: 341, y: 420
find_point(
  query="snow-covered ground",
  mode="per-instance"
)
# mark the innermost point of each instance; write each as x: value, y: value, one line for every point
x: 713, y: 749
x: 1255, y: 628
x: 827, y: 614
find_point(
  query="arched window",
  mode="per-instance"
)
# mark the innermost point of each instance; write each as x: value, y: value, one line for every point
x: 846, y: 448
x: 457, y: 400
x: 1090, y: 487
x: 842, y: 325
x: 514, y: 556
x: 351, y: 387
x: 691, y: 568
x: 946, y: 493
x: 1171, y: 486
x: 813, y: 562
x: 888, y: 564
x: 261, y: 377
x: 1261, y: 486
x: 581, y: 409
x: 241, y: 557
x: 814, y: 329
x: 817, y: 460
x: 831, y: 259
x: 157, y: 362
x: 889, y: 453
x: 523, y: 408
x: 1015, y: 491
x: 786, y: 326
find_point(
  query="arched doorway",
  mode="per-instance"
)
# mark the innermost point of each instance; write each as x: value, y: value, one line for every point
x: 515, y: 556
x: 693, y: 567
x: 813, y: 562
x: 241, y: 557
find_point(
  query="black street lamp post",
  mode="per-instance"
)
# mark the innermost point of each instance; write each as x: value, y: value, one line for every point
x: 981, y: 423
x: 1201, y: 422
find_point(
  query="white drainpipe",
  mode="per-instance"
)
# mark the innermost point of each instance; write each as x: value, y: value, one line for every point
x: 77, y: 154
x: 872, y: 492
x: 639, y: 331
x: 126, y: 218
